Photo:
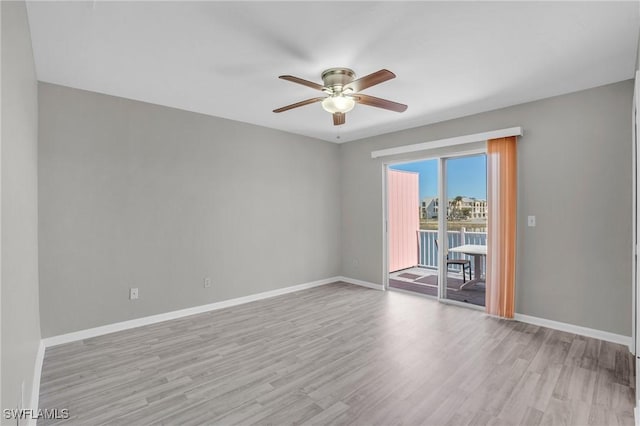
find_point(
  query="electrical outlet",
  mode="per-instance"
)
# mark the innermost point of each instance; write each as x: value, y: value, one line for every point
x: 531, y: 221
x: 207, y: 282
x: 133, y: 293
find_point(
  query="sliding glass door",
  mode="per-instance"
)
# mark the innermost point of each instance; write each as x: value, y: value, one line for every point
x: 465, y: 228
x: 436, y: 243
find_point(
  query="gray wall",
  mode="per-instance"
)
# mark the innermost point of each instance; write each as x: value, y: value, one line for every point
x: 20, y: 318
x: 574, y: 175
x: 638, y: 54
x: 139, y: 195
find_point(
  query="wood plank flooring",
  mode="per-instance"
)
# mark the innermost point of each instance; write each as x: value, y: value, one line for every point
x: 340, y: 354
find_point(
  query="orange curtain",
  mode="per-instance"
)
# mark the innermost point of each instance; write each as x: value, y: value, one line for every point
x: 501, y: 237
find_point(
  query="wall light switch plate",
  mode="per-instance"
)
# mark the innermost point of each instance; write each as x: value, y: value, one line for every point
x: 531, y: 221
x: 133, y: 293
x: 207, y: 282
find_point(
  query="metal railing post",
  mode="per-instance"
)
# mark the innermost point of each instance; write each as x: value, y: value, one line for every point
x: 421, y: 248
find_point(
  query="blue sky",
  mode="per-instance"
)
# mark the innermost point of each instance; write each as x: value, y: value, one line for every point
x: 466, y: 176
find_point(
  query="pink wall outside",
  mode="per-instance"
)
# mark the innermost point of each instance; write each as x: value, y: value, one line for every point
x: 404, y: 220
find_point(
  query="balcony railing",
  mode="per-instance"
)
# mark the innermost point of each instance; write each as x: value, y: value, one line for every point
x: 428, y: 252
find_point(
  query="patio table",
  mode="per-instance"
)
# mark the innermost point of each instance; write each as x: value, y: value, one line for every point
x: 477, y: 251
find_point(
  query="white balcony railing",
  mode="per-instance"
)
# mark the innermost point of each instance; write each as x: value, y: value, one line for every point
x: 428, y: 252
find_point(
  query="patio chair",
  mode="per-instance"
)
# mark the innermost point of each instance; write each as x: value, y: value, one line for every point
x: 462, y: 262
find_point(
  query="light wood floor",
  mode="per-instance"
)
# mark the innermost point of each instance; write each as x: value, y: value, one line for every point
x: 341, y: 354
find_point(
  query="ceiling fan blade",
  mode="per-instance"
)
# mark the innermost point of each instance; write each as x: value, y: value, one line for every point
x: 298, y: 104
x: 339, y: 118
x: 379, y: 103
x: 370, y: 80
x: 302, y: 81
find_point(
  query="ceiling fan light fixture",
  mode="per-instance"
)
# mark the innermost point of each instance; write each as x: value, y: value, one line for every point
x: 342, y: 92
x: 338, y: 103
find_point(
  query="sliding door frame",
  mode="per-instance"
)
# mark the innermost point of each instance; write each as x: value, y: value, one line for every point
x: 443, y: 230
x: 443, y: 241
x: 444, y: 226
x: 385, y: 214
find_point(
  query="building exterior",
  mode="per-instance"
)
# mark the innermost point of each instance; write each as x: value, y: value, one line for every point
x: 457, y: 208
x: 429, y: 208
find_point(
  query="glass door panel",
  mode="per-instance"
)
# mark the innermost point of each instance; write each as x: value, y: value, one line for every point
x: 412, y: 218
x: 466, y: 228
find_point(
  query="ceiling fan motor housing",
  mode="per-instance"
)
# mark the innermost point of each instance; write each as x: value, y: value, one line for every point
x: 336, y: 78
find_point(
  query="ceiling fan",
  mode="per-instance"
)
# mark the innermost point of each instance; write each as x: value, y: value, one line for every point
x: 342, y: 92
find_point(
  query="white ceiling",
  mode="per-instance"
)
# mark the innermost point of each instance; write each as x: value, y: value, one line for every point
x: 223, y: 58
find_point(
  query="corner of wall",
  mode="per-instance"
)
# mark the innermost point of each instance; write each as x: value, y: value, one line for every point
x: 20, y: 343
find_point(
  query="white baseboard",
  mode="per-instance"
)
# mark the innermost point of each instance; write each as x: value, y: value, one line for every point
x: 361, y: 283
x: 138, y: 322
x: 35, y: 386
x: 575, y: 329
